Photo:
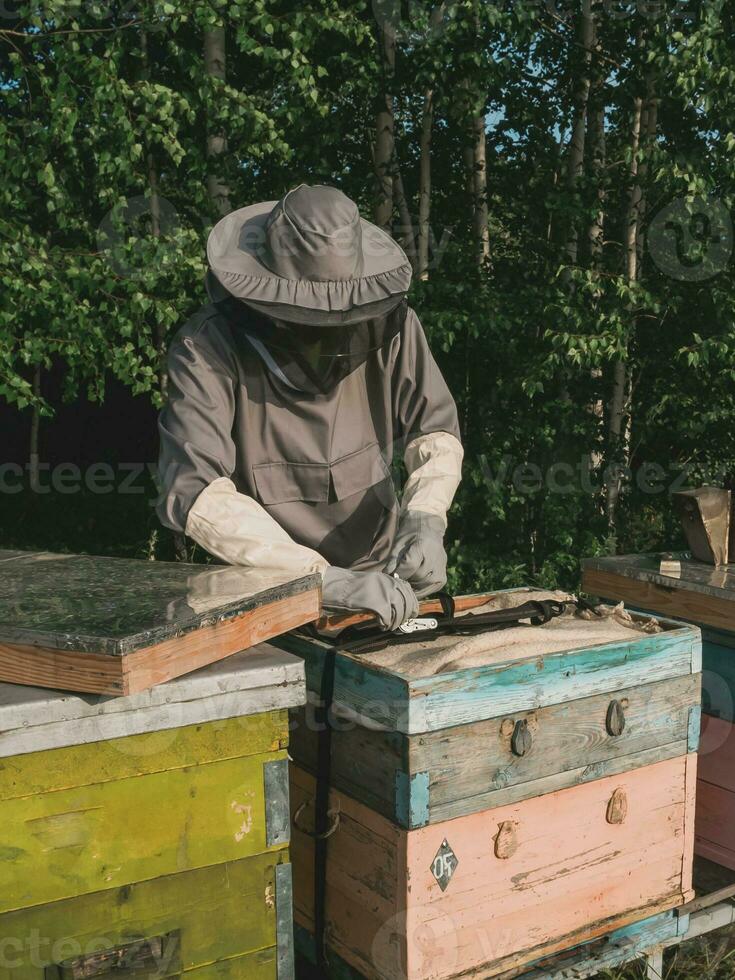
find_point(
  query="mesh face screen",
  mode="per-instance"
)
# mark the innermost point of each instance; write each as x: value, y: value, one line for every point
x: 316, y: 358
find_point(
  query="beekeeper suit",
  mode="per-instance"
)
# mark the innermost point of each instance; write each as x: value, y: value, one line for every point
x: 290, y: 394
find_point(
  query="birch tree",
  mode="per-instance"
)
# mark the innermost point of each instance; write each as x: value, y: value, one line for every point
x: 385, y: 128
x: 215, y: 62
x: 576, y: 158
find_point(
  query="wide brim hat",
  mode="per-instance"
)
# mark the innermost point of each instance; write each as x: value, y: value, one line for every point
x: 309, y: 258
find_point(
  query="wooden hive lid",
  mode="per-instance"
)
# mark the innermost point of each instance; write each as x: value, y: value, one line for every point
x: 688, y: 589
x: 255, y: 681
x: 695, y: 576
x: 114, y: 606
x: 117, y: 626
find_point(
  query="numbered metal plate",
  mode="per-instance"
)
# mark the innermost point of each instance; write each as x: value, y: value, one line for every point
x: 444, y: 865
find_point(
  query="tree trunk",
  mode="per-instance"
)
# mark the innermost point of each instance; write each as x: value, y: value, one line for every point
x: 385, y: 131
x: 480, y: 228
x: 558, y: 170
x: 155, y: 197
x: 596, y: 232
x: 619, y: 401
x: 34, y: 472
x: 595, y: 239
x: 160, y: 330
x: 406, y: 236
x: 475, y: 161
x: 427, y: 125
x: 634, y: 196
x: 649, y: 126
x: 616, y: 423
x: 575, y: 163
x: 215, y: 62
x: 155, y: 203
x: 427, y: 128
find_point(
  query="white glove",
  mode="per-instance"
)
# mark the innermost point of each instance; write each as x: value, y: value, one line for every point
x: 237, y: 529
x: 392, y: 600
x: 418, y: 554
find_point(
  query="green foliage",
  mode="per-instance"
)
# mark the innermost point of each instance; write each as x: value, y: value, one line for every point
x: 104, y: 115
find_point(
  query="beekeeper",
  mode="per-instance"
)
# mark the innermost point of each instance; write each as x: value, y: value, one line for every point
x: 289, y: 395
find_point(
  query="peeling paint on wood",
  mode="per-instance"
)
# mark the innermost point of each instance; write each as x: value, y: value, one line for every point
x: 492, y: 815
x: 573, y: 877
x: 146, y: 836
x: 122, y: 831
x: 472, y: 767
x: 185, y: 903
x: 506, y: 840
x: 138, y: 755
x: 254, y: 682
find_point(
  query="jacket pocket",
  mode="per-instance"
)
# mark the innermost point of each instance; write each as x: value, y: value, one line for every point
x: 282, y: 483
x: 359, y: 471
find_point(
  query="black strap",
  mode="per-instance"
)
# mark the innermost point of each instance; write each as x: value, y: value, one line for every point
x: 323, y: 718
x: 368, y: 640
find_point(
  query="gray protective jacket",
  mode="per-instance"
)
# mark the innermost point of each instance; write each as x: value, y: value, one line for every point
x: 319, y: 464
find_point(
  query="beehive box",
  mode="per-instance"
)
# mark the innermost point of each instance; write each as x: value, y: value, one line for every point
x: 705, y: 596
x: 118, y: 626
x: 450, y: 859
x: 499, y: 889
x: 421, y: 740
x: 148, y: 835
x: 450, y: 772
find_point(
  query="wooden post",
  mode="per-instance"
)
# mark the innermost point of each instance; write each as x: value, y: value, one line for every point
x: 655, y: 964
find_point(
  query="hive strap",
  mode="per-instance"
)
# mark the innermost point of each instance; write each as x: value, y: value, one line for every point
x: 535, y: 612
x: 323, y: 717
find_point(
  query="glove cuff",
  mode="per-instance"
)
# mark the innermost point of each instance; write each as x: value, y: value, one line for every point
x: 415, y: 520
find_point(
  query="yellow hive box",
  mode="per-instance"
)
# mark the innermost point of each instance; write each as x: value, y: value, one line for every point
x: 131, y: 825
